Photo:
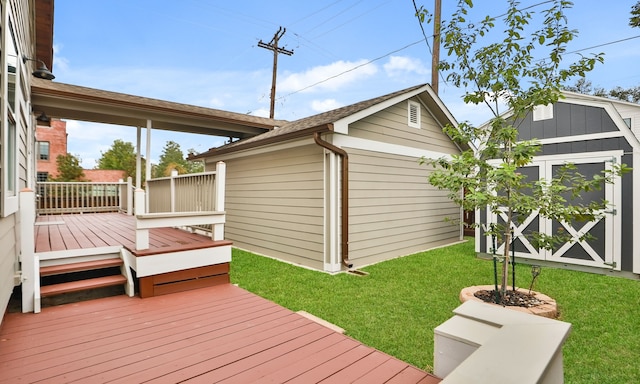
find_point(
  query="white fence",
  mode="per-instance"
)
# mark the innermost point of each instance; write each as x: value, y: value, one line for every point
x: 83, y: 197
x: 194, y: 192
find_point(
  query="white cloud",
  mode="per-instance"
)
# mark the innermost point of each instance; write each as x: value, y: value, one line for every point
x: 402, y: 65
x: 325, y: 105
x: 330, y: 77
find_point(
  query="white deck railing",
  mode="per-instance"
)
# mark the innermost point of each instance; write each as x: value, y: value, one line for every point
x: 83, y: 197
x: 194, y: 192
x: 193, y: 200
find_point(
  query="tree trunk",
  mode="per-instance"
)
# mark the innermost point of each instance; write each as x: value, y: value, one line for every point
x: 505, y: 265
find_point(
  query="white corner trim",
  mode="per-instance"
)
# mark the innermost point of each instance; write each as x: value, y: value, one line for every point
x: 393, y: 149
x: 636, y: 210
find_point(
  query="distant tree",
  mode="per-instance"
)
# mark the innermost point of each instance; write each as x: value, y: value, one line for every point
x: 194, y: 166
x: 69, y: 168
x: 582, y: 85
x: 631, y: 94
x: 585, y: 87
x: 634, y: 20
x: 121, y: 156
x: 173, y: 158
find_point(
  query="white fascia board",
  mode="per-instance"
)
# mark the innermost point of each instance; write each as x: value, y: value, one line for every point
x: 636, y: 211
x: 343, y: 141
x: 342, y: 125
x: 261, y: 149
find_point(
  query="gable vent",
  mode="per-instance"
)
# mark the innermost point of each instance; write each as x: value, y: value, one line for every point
x: 414, y: 114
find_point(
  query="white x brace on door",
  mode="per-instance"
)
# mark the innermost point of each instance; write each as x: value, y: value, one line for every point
x: 604, y: 251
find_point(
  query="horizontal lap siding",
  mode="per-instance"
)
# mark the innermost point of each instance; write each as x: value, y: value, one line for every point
x: 274, y: 204
x: 390, y: 126
x: 393, y: 209
x: 7, y: 260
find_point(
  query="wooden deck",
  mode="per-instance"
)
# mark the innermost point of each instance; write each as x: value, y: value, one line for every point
x: 98, y: 230
x: 215, y: 334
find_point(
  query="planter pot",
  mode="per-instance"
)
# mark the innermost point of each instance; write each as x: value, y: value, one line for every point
x: 548, y: 309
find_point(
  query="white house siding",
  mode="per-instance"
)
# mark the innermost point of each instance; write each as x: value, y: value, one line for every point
x: 390, y: 126
x: 274, y: 204
x: 630, y: 112
x: 7, y: 259
x: 393, y: 209
x: 19, y: 12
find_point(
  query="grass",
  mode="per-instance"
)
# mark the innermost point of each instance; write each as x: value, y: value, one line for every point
x: 396, y: 307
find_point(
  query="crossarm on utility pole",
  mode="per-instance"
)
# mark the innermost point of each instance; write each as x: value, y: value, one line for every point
x: 273, y: 46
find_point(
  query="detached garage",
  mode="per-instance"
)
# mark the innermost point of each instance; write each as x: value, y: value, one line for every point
x: 344, y: 188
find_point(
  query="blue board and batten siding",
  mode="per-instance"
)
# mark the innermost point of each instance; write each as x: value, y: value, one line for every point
x: 601, y: 134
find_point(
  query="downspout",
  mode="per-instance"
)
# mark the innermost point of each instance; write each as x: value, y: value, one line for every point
x: 344, y: 196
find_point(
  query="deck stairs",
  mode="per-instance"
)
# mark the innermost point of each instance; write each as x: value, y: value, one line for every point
x: 76, y: 274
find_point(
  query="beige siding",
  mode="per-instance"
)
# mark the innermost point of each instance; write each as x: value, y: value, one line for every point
x: 274, y: 204
x: 7, y: 259
x: 20, y: 14
x: 391, y: 126
x: 393, y: 210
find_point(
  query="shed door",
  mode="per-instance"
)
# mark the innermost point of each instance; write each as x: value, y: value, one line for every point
x: 602, y: 251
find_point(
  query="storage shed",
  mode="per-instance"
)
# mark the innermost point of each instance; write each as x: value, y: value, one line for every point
x: 344, y: 188
x: 593, y: 133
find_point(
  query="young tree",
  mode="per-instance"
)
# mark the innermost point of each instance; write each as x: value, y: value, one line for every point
x: 69, y: 168
x: 121, y: 156
x: 506, y: 72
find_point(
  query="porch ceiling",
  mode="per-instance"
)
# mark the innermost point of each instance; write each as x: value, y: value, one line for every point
x: 74, y: 102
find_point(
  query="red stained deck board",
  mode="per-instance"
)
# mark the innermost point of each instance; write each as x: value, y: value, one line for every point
x: 259, y: 372
x: 305, y: 364
x: 221, y: 351
x: 221, y: 332
x: 330, y: 367
x: 105, y: 229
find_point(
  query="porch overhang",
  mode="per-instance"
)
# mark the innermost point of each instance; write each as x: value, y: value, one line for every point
x: 74, y: 102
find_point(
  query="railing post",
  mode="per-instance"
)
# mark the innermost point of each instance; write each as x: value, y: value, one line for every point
x: 217, y: 232
x: 172, y: 193
x: 142, y: 235
x: 129, y: 187
x: 30, y: 272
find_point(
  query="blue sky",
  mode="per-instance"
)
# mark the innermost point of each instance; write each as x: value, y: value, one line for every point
x: 205, y: 52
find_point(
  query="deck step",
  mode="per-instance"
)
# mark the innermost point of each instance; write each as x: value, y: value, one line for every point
x: 82, y: 285
x: 80, y: 267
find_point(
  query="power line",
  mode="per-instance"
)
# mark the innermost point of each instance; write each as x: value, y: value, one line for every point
x: 604, y: 44
x: 351, y: 69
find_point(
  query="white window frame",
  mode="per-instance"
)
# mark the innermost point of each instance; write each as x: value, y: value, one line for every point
x: 10, y: 133
x: 418, y: 112
x: 543, y: 112
x: 39, y: 154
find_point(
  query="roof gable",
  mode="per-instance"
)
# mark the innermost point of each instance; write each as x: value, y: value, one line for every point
x: 337, y: 120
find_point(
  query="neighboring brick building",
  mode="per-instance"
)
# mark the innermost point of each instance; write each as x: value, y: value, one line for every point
x: 51, y: 142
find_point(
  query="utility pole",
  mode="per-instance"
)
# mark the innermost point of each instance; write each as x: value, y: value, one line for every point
x: 435, y: 58
x: 273, y: 46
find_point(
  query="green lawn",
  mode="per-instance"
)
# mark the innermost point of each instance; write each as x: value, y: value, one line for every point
x: 396, y: 307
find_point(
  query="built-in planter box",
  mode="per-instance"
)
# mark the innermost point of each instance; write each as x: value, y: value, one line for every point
x: 487, y: 344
